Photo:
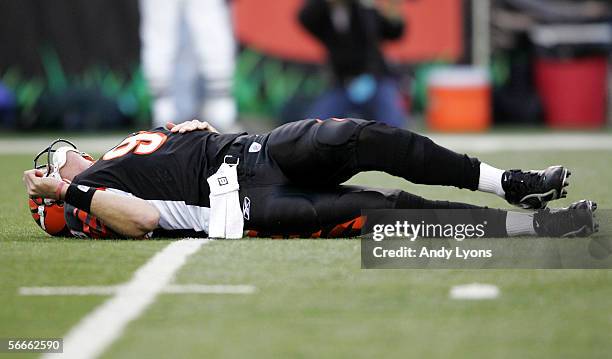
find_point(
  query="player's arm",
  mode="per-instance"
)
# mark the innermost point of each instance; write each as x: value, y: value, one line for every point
x: 128, y: 216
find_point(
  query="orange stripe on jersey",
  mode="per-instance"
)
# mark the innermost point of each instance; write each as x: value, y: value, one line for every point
x: 359, y: 222
x: 92, y: 226
x: 353, y: 225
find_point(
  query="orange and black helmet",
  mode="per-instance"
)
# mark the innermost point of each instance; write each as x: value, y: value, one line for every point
x: 49, y: 213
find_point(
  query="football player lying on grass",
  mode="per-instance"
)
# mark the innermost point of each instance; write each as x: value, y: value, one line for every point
x: 154, y: 183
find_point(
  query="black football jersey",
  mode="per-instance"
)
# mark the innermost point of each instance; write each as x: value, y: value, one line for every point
x: 167, y: 169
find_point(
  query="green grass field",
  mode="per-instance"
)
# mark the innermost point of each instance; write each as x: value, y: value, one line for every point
x: 312, y: 299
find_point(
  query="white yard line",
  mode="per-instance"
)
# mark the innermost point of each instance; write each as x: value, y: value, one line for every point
x: 113, y: 289
x: 209, y: 289
x: 496, y: 142
x: 70, y: 290
x: 474, y: 291
x: 99, y: 329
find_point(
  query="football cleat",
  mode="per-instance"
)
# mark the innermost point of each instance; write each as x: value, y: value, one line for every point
x: 577, y: 220
x: 534, y: 189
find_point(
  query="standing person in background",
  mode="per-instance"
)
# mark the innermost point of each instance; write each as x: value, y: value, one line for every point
x: 211, y: 38
x: 352, y: 31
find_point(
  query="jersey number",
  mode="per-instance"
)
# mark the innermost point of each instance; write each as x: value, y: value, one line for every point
x: 142, y: 143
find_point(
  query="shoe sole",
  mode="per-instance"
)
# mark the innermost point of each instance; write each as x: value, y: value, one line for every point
x: 553, y: 194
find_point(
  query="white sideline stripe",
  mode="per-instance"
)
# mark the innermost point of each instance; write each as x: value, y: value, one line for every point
x: 112, y: 289
x: 495, y: 142
x: 33, y: 145
x: 525, y: 142
x: 95, y: 332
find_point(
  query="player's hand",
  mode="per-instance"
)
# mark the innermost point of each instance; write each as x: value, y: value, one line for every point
x: 190, y: 126
x: 37, y: 185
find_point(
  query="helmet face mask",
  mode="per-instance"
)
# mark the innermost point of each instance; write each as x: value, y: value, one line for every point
x: 49, y: 213
x: 56, y: 154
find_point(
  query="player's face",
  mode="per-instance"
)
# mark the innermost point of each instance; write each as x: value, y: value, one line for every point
x: 74, y: 165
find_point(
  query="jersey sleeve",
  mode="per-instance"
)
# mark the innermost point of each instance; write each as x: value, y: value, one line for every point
x: 83, y: 224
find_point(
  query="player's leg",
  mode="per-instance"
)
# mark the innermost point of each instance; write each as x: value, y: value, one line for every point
x: 430, y: 163
x: 329, y: 152
x: 159, y: 29
x: 319, y: 153
x: 335, y: 212
x: 211, y: 35
x: 289, y: 211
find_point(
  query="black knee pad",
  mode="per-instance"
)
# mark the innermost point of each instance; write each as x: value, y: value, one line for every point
x: 338, y: 132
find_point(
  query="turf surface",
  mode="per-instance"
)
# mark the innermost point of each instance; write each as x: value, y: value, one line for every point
x: 313, y: 300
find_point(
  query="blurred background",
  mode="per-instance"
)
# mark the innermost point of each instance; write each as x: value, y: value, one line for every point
x: 444, y: 65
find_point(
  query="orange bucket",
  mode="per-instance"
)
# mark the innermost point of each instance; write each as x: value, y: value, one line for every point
x: 459, y: 99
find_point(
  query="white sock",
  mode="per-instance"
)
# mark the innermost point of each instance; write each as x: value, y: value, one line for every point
x: 520, y: 224
x: 491, y: 180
